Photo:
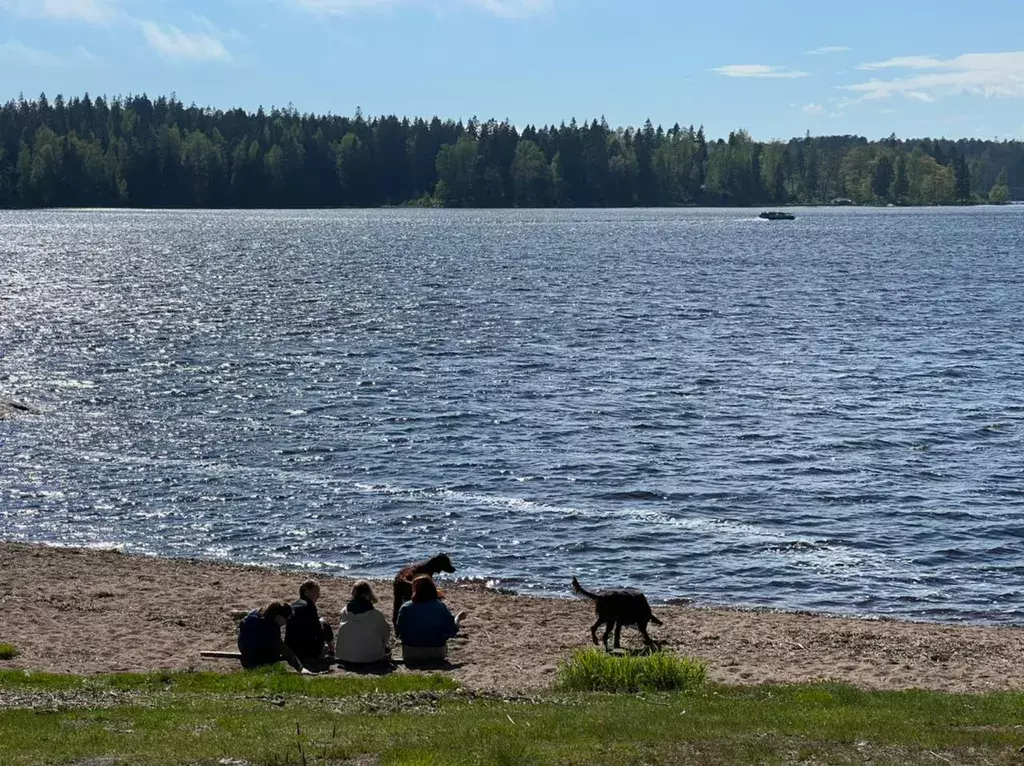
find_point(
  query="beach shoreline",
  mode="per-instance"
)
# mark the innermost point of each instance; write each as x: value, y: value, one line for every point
x: 80, y: 610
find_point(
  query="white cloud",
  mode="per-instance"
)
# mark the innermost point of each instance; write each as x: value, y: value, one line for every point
x: 984, y: 74
x: 173, y: 43
x: 903, y: 62
x: 505, y: 8
x: 758, y: 70
x: 92, y: 11
x: 827, y: 49
x: 16, y: 52
x: 812, y: 109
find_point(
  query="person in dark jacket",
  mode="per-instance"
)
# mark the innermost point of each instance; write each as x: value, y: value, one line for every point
x: 425, y: 624
x: 259, y: 637
x: 311, y: 638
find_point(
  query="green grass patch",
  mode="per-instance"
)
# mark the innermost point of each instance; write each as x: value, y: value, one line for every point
x: 8, y: 651
x: 262, y: 682
x: 592, y: 670
x: 817, y: 723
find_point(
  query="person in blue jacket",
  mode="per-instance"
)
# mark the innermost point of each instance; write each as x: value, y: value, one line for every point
x: 425, y: 624
x: 259, y: 637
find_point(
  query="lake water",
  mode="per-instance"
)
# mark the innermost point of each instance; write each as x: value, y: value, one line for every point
x: 825, y: 414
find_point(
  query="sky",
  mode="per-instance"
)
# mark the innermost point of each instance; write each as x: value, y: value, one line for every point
x: 777, y: 69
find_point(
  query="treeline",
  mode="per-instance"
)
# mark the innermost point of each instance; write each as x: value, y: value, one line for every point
x: 140, y: 152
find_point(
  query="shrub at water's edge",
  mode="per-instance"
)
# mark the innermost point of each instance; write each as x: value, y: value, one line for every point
x: 8, y: 651
x: 597, y: 671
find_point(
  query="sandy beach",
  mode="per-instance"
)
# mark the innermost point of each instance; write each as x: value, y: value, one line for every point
x: 88, y: 611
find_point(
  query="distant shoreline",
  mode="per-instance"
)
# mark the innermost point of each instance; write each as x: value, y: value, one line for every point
x: 139, y: 152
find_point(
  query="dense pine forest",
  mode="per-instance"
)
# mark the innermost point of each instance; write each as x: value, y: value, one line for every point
x: 139, y: 152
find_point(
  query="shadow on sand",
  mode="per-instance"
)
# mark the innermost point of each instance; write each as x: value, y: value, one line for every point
x: 386, y: 667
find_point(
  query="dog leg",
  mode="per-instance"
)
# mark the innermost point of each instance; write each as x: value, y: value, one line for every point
x: 647, y: 639
x: 618, y: 634
x: 607, y: 632
x: 593, y: 631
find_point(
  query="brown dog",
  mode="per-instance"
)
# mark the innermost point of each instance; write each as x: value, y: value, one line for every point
x: 403, y: 580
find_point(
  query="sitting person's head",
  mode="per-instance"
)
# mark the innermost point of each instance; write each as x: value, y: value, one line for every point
x: 362, y: 591
x: 309, y: 591
x: 424, y: 589
x: 278, y: 612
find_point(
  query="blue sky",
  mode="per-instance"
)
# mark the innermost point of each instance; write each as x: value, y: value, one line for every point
x: 777, y: 69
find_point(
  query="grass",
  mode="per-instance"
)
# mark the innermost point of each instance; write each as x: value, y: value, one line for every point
x: 592, y: 670
x: 820, y: 723
x: 261, y: 682
x: 8, y: 651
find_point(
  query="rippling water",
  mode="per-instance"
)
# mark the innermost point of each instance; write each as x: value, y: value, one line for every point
x: 825, y: 414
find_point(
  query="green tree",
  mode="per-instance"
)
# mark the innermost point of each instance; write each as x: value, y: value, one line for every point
x: 884, y: 177
x: 856, y: 173
x: 6, y: 187
x: 44, y: 180
x: 247, y: 173
x: 202, y: 161
x: 530, y: 176
x: 352, y: 164
x: 276, y: 170
x: 622, y: 171
x: 773, y: 171
x: 900, y: 187
x: 811, y: 168
x: 456, y: 171
x: 937, y: 184
x: 1000, y: 192
x: 559, y: 187
x: 24, y: 194
x: 673, y: 166
x: 961, y: 179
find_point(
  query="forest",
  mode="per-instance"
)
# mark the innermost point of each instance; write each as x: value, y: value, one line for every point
x: 138, y: 152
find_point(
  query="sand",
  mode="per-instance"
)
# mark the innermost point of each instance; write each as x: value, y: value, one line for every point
x: 88, y: 611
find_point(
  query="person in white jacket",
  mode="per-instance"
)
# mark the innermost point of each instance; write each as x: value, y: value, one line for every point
x: 364, y: 635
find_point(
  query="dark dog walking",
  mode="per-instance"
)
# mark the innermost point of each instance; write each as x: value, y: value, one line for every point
x: 618, y: 607
x: 403, y: 581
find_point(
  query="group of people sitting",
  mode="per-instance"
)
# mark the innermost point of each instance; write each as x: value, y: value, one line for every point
x: 363, y: 637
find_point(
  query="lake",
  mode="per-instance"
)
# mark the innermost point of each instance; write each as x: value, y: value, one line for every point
x: 823, y: 414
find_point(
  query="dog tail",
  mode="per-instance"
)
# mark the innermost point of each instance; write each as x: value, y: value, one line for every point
x: 656, y: 621
x: 577, y: 588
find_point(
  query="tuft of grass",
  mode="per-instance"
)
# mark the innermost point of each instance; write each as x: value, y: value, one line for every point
x: 9, y: 651
x: 591, y: 670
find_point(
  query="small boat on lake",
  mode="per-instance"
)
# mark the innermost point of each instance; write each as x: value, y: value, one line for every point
x: 776, y: 215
